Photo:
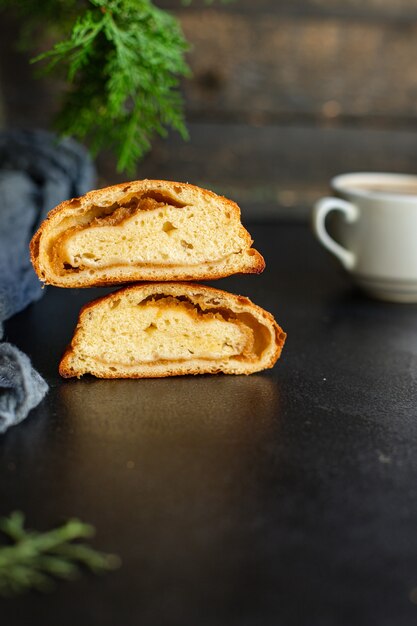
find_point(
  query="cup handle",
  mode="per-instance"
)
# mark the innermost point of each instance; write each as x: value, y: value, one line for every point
x: 321, y: 209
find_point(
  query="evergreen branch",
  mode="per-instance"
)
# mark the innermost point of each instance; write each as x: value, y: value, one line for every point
x: 34, y: 560
x: 123, y: 61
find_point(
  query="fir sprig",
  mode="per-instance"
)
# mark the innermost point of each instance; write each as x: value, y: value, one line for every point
x: 123, y: 60
x: 33, y: 560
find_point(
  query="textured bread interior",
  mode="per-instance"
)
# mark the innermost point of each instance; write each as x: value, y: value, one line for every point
x: 130, y: 335
x: 152, y: 227
x: 163, y: 329
x: 158, y: 234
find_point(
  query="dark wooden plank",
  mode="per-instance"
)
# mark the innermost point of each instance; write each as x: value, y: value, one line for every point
x: 264, y: 68
x: 273, y: 171
x: 270, y: 70
x: 371, y: 9
x: 270, y: 65
x: 24, y: 100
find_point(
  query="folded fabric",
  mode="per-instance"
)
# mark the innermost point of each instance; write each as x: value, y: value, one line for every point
x: 37, y: 172
x: 22, y: 388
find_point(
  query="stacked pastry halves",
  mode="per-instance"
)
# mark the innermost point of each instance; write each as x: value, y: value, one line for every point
x: 165, y: 233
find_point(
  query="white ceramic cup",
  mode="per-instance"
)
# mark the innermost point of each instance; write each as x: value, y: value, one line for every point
x: 373, y: 231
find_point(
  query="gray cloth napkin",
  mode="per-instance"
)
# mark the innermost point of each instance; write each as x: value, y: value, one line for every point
x: 37, y: 172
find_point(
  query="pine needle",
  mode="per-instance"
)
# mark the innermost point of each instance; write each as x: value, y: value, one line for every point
x: 34, y: 560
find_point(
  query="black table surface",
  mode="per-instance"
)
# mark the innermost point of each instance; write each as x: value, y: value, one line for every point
x: 283, y: 498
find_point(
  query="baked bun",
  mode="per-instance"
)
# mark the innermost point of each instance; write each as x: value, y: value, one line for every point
x: 168, y: 329
x: 144, y: 230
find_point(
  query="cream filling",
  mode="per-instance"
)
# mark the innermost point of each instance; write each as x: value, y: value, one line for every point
x: 166, y: 329
x: 165, y: 235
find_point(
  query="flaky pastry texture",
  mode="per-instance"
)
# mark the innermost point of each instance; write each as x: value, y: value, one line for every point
x: 148, y: 230
x: 168, y: 329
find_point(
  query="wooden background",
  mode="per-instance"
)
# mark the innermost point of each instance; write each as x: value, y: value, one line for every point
x: 284, y: 95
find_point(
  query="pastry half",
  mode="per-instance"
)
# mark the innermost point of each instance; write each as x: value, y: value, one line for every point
x: 168, y: 329
x: 144, y: 230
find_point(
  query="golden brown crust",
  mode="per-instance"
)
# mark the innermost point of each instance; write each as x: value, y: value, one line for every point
x: 235, y: 302
x: 251, y: 263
